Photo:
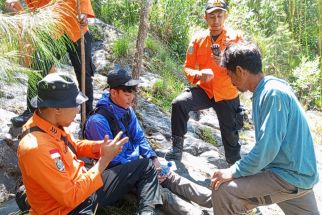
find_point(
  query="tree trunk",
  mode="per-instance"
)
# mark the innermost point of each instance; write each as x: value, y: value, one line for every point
x: 142, y: 34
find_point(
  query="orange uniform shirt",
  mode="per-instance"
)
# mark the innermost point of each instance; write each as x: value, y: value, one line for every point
x: 55, y: 180
x: 68, y: 11
x: 199, y: 55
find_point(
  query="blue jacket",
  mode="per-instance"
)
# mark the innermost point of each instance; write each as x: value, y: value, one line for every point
x: 97, y: 127
x: 284, y: 143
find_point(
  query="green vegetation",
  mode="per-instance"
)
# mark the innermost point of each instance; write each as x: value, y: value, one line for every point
x: 97, y: 33
x: 207, y: 136
x: 285, y: 30
x: 171, y: 83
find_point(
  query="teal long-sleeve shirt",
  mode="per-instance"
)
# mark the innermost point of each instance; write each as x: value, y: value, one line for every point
x: 284, y: 143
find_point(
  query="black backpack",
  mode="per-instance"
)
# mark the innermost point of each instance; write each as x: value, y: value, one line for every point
x: 112, y: 121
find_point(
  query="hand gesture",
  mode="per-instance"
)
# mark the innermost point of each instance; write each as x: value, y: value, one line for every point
x: 82, y: 19
x: 216, y: 58
x: 110, y: 148
x: 220, y: 176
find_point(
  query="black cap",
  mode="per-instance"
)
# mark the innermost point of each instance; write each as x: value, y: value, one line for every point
x: 58, y: 90
x: 119, y: 78
x: 213, y: 5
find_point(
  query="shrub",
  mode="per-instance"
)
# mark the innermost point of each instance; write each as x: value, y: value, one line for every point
x: 119, y: 13
x: 170, y: 21
x: 121, y: 47
x: 306, y: 82
x: 207, y: 136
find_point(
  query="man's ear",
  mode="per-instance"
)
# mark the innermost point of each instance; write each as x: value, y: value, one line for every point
x: 58, y: 111
x: 239, y: 71
x: 205, y: 17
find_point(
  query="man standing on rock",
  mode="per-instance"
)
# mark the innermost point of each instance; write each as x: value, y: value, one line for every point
x: 281, y: 168
x: 214, y: 88
x: 71, y: 27
x: 56, y: 180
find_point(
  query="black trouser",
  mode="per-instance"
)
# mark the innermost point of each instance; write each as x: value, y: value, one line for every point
x: 74, y: 51
x: 75, y: 57
x: 194, y: 99
x: 119, y: 180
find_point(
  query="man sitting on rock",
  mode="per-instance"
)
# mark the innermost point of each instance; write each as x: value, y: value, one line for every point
x: 56, y: 180
x: 113, y: 113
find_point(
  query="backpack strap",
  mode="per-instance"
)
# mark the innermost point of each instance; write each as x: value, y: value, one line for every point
x: 112, y: 120
x: 36, y: 128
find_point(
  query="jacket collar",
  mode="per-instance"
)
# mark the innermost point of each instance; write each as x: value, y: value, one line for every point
x: 44, y: 125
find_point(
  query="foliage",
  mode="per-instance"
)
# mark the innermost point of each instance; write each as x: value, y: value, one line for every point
x: 120, y: 13
x: 124, y: 45
x: 306, y: 79
x: 207, y: 136
x: 170, y: 21
x: 97, y: 32
x: 286, y: 36
x: 172, y: 82
x: 23, y: 35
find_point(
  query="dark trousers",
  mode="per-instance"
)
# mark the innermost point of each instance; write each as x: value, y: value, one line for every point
x: 75, y: 57
x: 119, y: 180
x: 230, y: 121
x: 74, y: 51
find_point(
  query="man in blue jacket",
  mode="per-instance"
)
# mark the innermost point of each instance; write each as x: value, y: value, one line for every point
x: 117, y: 103
x: 281, y: 168
x: 114, y: 113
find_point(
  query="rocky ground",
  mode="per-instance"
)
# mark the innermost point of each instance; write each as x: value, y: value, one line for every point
x: 200, y: 158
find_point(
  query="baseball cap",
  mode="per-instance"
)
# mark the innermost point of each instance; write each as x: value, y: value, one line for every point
x: 58, y: 90
x: 121, y: 77
x: 213, y: 5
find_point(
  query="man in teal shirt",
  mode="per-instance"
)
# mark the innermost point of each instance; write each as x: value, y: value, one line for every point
x: 281, y: 168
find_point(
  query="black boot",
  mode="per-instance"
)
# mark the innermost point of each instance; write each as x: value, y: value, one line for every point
x: 177, y: 147
x: 20, y: 120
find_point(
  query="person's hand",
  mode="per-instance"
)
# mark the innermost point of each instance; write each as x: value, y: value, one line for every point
x: 110, y: 148
x: 157, y: 166
x: 216, y: 58
x: 163, y: 177
x: 83, y: 19
x: 220, y: 176
x: 13, y: 6
x: 205, y: 75
x: 156, y: 163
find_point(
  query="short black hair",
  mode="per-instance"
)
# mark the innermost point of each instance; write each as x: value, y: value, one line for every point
x: 245, y: 55
x: 129, y: 89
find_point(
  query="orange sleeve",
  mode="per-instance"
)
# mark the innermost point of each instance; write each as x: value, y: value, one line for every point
x: 88, y: 148
x: 86, y: 8
x: 68, y: 191
x: 191, y: 61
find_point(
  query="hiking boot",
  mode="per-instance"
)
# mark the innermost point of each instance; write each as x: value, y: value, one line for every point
x: 20, y: 120
x: 177, y: 147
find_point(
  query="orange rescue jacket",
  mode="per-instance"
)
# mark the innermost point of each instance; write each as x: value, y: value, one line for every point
x: 199, y: 54
x: 56, y: 181
x: 68, y: 11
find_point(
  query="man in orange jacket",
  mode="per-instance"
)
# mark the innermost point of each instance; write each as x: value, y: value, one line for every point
x: 71, y: 27
x: 214, y: 88
x: 56, y: 180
